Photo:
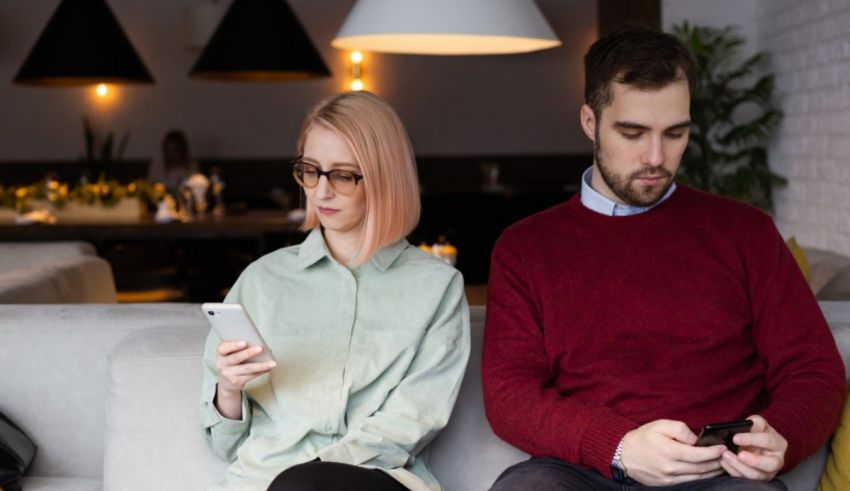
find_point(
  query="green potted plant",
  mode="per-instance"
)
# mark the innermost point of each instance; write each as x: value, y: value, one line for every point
x: 100, y: 155
x: 732, y: 115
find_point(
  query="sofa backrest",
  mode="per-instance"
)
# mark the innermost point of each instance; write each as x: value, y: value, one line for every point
x: 467, y: 455
x: 149, y: 398
x: 53, y: 379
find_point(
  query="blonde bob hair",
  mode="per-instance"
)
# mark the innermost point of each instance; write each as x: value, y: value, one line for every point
x: 382, y: 150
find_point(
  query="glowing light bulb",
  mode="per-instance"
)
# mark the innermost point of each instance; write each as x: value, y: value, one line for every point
x: 356, y: 57
x: 356, y: 84
x: 102, y: 90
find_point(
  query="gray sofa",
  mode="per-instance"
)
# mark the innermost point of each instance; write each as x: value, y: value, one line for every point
x: 110, y: 394
x: 54, y: 272
x: 829, y: 274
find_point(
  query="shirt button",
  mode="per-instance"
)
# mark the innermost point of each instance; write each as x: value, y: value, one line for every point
x: 328, y: 427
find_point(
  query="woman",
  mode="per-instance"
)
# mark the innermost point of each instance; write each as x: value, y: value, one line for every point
x: 176, y: 164
x: 370, y: 335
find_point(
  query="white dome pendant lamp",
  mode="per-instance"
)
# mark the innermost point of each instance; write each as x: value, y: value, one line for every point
x: 446, y: 27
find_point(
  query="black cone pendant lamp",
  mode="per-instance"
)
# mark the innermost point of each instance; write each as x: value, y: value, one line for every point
x: 259, y: 41
x: 82, y: 44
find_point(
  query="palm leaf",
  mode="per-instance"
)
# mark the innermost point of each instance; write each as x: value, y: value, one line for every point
x: 726, y: 153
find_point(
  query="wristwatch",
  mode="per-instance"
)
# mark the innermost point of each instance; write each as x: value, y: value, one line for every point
x: 618, y: 470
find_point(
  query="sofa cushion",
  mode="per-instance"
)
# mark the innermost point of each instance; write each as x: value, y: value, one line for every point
x: 823, y: 266
x: 153, y: 434
x: 838, y: 287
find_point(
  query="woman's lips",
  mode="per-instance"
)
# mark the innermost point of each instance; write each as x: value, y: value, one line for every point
x: 328, y: 211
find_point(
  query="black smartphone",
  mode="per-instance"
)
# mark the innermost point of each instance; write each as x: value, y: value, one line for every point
x: 722, y: 433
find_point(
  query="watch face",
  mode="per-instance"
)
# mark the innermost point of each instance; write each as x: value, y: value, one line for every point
x: 617, y: 474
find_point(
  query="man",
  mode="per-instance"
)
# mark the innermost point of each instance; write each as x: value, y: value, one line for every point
x: 622, y: 321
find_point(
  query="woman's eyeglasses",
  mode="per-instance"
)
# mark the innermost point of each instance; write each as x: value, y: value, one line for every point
x: 307, y: 175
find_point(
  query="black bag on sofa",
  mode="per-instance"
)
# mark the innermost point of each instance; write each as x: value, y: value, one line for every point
x: 17, y: 452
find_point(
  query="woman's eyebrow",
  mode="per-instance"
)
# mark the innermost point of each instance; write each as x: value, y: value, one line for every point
x: 333, y: 165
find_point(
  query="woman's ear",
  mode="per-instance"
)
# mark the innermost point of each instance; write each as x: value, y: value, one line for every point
x: 588, y: 122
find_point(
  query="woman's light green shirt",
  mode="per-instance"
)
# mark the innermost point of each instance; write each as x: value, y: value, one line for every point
x: 370, y: 361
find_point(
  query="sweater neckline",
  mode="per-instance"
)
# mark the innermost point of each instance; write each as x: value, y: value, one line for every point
x: 648, y: 216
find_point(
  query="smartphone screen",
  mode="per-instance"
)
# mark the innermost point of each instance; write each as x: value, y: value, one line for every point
x: 722, y: 433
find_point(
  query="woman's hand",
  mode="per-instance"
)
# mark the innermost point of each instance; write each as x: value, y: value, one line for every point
x: 234, y: 371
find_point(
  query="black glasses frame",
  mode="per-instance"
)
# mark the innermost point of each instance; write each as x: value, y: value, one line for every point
x: 298, y: 162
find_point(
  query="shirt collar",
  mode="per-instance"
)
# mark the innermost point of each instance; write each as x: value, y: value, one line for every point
x: 595, y: 201
x: 387, y: 255
x: 314, y: 249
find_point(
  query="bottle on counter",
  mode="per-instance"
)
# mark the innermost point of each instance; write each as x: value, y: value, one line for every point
x: 444, y: 250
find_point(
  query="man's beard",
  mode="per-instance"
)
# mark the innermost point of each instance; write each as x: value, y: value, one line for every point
x: 627, y: 189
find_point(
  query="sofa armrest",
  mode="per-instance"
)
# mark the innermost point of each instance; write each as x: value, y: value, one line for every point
x: 153, y: 435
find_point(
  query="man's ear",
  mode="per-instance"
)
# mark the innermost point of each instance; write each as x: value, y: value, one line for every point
x: 588, y: 122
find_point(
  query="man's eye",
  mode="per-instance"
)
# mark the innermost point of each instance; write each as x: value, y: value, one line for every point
x: 676, y: 135
x: 632, y: 136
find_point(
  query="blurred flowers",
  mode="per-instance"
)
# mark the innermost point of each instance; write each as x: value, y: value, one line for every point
x: 103, y: 192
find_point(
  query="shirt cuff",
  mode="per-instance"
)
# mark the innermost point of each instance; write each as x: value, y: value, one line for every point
x: 223, y: 425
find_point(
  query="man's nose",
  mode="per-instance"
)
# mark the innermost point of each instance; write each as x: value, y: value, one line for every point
x: 654, y: 154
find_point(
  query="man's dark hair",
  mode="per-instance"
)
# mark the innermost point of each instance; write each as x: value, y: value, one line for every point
x: 638, y: 56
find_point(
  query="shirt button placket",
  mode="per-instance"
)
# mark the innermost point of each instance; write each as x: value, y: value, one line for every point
x: 339, y: 348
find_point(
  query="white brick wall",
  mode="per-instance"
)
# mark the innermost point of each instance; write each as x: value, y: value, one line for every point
x: 809, y: 42
x: 810, y: 46
x: 744, y: 15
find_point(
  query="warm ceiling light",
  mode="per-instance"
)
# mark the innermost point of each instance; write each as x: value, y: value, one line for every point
x: 102, y: 90
x: 82, y: 44
x: 356, y: 70
x: 259, y: 41
x: 446, y: 27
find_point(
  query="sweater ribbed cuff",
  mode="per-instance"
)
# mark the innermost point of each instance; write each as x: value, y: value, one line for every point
x: 600, y: 441
x: 788, y: 427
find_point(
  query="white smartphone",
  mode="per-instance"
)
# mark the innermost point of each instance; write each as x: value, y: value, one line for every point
x: 232, y: 323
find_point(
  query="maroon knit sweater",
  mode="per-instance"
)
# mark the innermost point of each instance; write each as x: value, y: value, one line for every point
x: 693, y: 311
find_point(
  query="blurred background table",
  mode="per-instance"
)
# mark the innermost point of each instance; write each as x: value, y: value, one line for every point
x: 192, y: 261
x: 257, y: 224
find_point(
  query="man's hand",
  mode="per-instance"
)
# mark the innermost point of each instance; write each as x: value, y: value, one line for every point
x: 761, y: 454
x: 661, y: 453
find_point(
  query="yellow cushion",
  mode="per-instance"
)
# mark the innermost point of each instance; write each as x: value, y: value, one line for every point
x: 836, y: 475
x: 800, y: 256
